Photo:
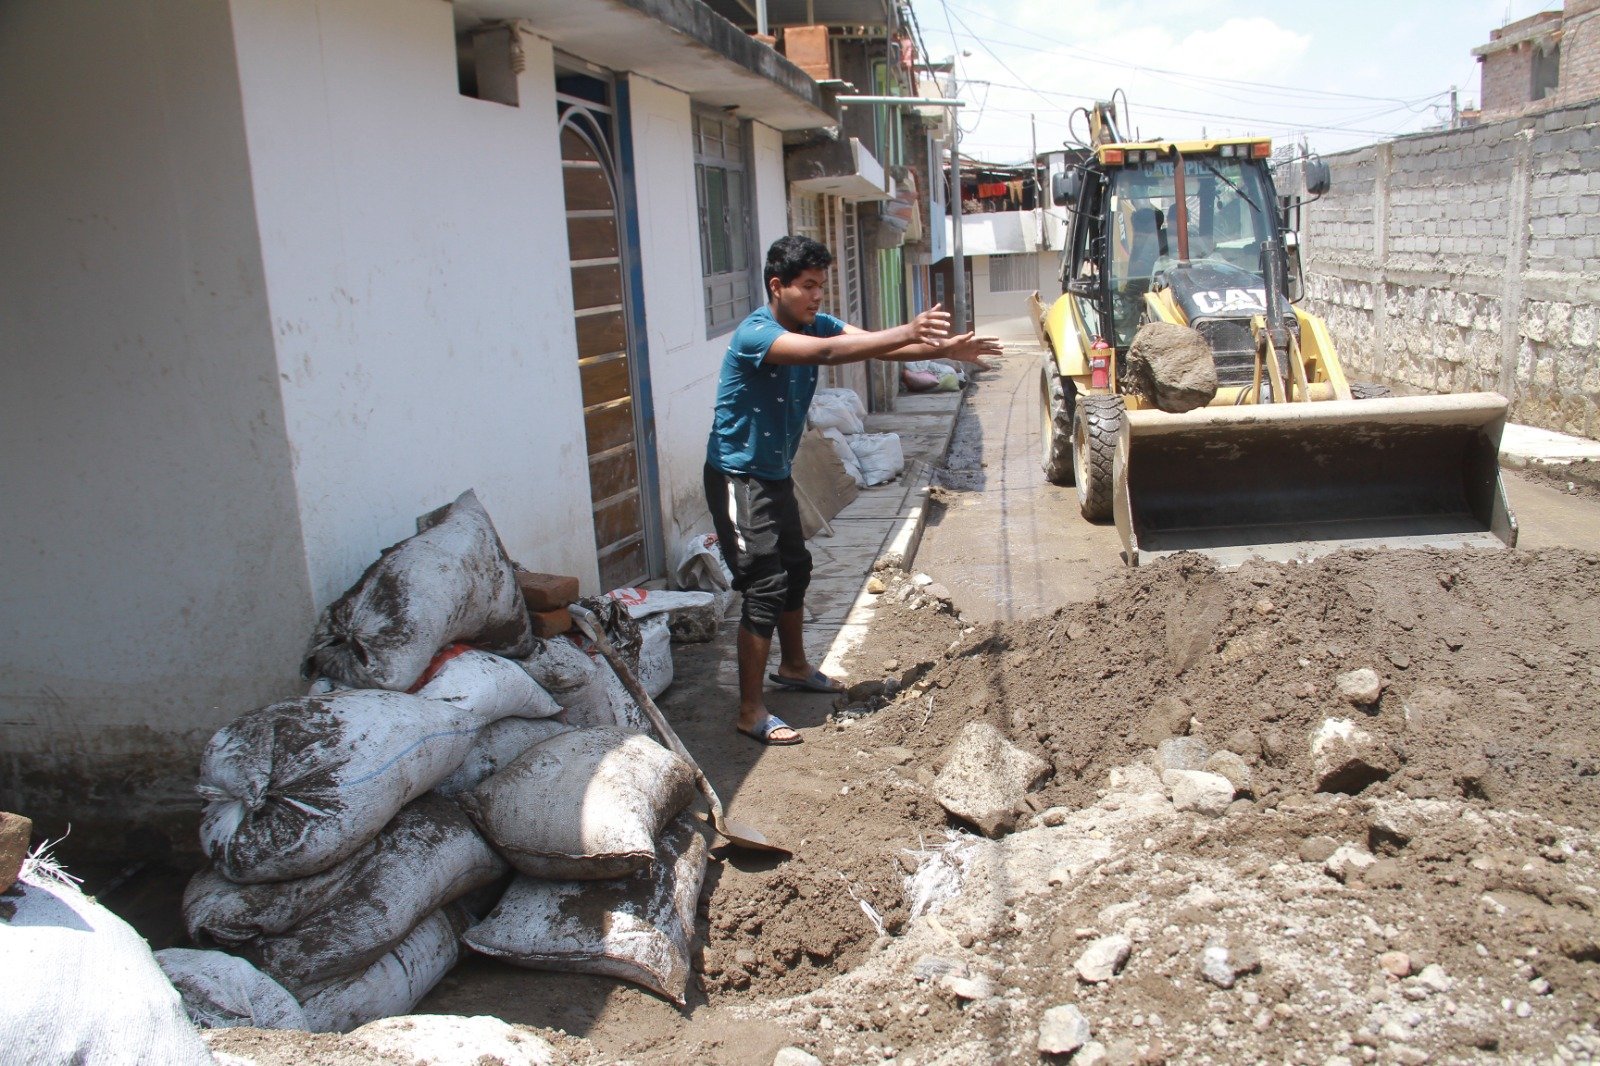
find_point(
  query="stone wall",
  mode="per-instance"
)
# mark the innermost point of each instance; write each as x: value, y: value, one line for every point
x: 1469, y: 260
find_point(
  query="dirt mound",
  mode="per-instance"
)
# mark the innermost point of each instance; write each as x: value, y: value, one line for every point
x: 1463, y: 856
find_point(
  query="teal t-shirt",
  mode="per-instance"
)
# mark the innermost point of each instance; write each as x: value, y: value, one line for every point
x: 761, y: 410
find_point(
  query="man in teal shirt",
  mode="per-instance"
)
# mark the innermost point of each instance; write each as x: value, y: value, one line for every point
x: 769, y: 375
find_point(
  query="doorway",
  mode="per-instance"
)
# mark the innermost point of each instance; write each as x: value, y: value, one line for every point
x: 618, y: 422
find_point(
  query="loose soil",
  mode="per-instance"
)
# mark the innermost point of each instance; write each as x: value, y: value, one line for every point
x: 1487, y: 863
x: 1489, y: 662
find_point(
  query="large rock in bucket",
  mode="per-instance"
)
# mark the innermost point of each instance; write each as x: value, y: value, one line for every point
x: 1172, y: 366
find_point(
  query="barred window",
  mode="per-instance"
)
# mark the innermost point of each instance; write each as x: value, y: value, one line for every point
x: 722, y: 185
x: 1013, y: 273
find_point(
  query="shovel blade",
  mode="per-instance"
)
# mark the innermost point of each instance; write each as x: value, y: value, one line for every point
x: 748, y: 837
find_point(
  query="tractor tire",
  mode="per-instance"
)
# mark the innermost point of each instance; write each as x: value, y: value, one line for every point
x: 1094, y: 446
x: 1366, y: 390
x: 1057, y: 404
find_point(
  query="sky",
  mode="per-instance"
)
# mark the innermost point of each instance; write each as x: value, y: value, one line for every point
x: 1332, y: 75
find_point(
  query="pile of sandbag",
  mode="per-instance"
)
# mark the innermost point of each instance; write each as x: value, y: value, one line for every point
x: 869, y: 458
x: 356, y: 833
x: 930, y: 375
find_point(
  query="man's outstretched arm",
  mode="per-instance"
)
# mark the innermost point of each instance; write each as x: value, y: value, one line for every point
x: 926, y: 336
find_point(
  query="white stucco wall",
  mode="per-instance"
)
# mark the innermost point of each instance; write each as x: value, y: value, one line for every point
x: 684, y: 362
x: 1006, y: 313
x: 415, y: 254
x: 155, y: 583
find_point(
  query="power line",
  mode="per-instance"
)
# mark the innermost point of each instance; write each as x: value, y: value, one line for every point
x: 1093, y: 57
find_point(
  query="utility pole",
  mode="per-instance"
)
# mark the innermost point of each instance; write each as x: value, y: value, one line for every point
x: 1455, y: 110
x: 957, y: 260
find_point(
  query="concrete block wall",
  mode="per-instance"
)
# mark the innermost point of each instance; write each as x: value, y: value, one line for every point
x: 1469, y: 260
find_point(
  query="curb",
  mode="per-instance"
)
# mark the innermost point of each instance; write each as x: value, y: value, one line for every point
x: 901, y: 549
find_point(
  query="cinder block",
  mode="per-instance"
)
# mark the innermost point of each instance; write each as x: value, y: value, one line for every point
x: 548, y: 624
x: 547, y: 592
x: 807, y: 48
x: 15, y: 835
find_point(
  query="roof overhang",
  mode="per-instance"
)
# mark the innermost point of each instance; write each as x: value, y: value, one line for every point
x: 679, y: 43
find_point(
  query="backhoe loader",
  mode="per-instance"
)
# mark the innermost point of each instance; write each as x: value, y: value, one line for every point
x: 1290, y: 459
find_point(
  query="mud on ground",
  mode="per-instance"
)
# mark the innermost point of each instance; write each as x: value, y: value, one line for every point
x: 1486, y: 864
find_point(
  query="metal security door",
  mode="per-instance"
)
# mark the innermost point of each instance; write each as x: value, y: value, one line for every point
x: 625, y: 524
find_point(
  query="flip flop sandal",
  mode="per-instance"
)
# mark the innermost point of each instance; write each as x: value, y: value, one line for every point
x: 763, y: 733
x: 817, y: 682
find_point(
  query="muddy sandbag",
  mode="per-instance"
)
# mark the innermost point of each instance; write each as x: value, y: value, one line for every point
x: 222, y: 991
x: 637, y: 928
x: 451, y: 582
x: 81, y: 986
x: 1172, y: 366
x: 604, y: 702
x: 297, y: 786
x: 395, y: 983
x: 558, y: 666
x: 496, y: 747
x: 430, y: 855
x: 583, y: 805
x: 494, y: 686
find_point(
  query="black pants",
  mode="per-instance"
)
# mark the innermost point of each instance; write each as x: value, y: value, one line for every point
x: 758, y: 530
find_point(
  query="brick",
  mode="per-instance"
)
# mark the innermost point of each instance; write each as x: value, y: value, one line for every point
x: 547, y: 592
x: 807, y: 48
x: 548, y: 624
x: 16, y: 833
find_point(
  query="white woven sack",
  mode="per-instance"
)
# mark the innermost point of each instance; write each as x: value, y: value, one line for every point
x: 295, y: 787
x: 701, y: 565
x: 81, y: 986
x: 395, y: 983
x: 849, y: 397
x: 449, y: 1040
x: 880, y: 456
x: 831, y: 411
x: 847, y: 456
x: 639, y: 929
x: 222, y: 991
x: 495, y: 748
x: 584, y: 805
x: 604, y: 701
x: 430, y: 855
x: 493, y: 686
x: 451, y: 582
x: 558, y: 666
x: 692, y: 616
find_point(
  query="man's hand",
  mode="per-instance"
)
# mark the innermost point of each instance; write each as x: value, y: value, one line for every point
x: 931, y: 327
x: 970, y: 348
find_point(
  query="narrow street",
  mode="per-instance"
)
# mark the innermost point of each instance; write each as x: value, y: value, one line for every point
x: 1008, y: 544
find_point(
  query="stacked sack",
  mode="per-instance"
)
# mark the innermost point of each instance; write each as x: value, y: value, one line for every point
x: 869, y: 458
x: 349, y: 840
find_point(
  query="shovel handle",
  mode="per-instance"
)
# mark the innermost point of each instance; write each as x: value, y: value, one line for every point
x: 590, y: 624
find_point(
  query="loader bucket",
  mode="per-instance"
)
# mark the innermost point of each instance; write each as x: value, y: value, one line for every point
x: 1296, y: 480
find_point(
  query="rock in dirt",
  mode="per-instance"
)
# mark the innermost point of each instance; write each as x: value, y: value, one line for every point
x: 1063, y: 1030
x: 967, y: 988
x: 985, y: 778
x: 1103, y: 959
x: 1091, y: 1054
x: 1232, y: 766
x: 1345, y: 758
x: 15, y: 833
x: 1182, y: 753
x: 1348, y: 861
x: 1196, y: 790
x: 1361, y: 687
x: 1317, y: 849
x: 1395, y: 963
x: 1222, y: 964
x: 793, y: 1056
x: 1172, y: 366
x: 447, y: 1040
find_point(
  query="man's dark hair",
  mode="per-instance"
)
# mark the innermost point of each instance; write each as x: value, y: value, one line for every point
x: 788, y: 256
